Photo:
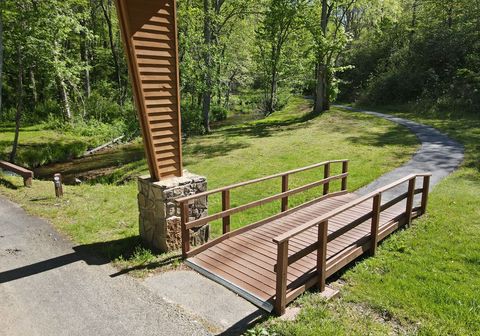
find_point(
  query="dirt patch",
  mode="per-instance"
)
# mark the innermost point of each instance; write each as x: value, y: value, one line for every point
x: 13, y: 251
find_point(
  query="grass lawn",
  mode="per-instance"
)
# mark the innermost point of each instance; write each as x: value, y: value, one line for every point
x: 106, y: 215
x: 424, y: 280
x: 38, y: 145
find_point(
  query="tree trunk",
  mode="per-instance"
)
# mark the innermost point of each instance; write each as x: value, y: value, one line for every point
x: 322, y: 102
x: 321, y: 94
x: 18, y: 114
x: 272, y: 95
x: 84, y: 55
x: 34, y: 86
x: 229, y: 90
x: 64, y: 96
x: 450, y: 15
x: 207, y: 91
x: 106, y: 14
x: 1, y: 55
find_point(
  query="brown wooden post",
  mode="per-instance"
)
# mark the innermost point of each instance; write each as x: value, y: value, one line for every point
x: 284, y: 189
x: 377, y: 203
x: 185, y: 232
x: 410, y: 199
x: 226, y: 206
x: 57, y: 182
x: 326, y: 174
x: 27, y: 181
x: 345, y: 179
x: 322, y: 255
x: 281, y: 269
x: 426, y: 187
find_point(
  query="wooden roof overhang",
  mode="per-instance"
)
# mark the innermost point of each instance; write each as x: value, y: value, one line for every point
x: 149, y: 32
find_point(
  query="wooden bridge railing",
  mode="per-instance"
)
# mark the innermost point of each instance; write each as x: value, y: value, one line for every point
x: 324, y: 270
x: 227, y: 211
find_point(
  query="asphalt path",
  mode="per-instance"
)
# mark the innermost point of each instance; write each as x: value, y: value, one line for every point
x: 47, y: 287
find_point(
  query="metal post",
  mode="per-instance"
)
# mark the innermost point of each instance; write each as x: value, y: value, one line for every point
x: 57, y: 182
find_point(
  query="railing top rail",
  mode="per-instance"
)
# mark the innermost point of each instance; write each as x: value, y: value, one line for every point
x: 293, y: 232
x: 261, y: 179
x: 201, y: 221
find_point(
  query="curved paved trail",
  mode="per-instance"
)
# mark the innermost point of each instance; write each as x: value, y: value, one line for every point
x: 437, y: 154
x: 49, y: 288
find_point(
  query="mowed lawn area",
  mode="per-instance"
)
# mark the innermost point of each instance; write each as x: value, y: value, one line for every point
x: 424, y: 280
x: 107, y: 215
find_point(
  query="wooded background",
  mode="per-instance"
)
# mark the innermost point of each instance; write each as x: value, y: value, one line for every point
x: 62, y: 62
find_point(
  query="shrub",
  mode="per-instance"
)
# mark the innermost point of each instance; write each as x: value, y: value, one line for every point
x: 192, y: 122
x: 218, y: 113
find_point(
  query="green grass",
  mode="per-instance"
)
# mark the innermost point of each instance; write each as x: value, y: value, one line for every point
x: 107, y: 215
x: 424, y: 280
x: 39, y: 145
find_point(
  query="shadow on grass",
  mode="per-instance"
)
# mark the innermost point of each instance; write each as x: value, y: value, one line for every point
x: 151, y: 265
x: 268, y: 127
x: 8, y: 184
x: 395, y: 136
x: 208, y: 150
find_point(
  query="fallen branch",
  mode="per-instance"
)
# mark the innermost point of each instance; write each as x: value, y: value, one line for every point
x: 99, y: 148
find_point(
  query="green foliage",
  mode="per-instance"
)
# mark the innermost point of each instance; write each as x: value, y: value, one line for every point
x: 427, y: 52
x: 218, y: 113
x: 192, y: 122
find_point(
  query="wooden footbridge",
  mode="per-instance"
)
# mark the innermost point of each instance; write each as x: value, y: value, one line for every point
x: 273, y: 261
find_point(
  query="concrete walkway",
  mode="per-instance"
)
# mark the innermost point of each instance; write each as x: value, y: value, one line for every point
x: 438, y: 154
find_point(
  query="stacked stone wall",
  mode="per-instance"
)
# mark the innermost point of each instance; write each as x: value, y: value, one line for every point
x: 159, y: 218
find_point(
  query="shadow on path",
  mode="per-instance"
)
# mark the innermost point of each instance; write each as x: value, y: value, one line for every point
x: 93, y: 254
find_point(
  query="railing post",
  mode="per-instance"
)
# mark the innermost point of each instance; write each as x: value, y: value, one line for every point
x: 326, y: 174
x: 345, y: 179
x: 226, y: 206
x: 322, y: 255
x: 185, y: 232
x: 282, y: 268
x: 410, y: 198
x: 377, y: 203
x: 284, y: 189
x: 426, y: 187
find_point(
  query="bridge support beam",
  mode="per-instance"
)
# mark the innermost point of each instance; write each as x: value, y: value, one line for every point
x: 149, y: 32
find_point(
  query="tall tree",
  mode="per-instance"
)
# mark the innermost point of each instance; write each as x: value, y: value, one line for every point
x: 108, y: 10
x: 330, y: 40
x: 276, y: 28
x: 218, y: 17
x: 1, y: 54
x: 19, y: 111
